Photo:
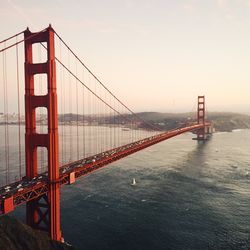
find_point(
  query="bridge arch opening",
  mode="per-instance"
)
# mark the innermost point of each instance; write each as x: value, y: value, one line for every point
x: 40, y: 84
x: 39, y: 53
x: 41, y: 120
x: 42, y: 160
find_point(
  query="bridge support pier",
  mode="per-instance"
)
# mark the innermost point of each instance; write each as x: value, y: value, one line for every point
x: 44, y: 211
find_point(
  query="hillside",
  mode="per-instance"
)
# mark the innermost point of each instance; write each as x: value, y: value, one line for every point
x: 229, y: 121
x: 14, y: 235
x: 223, y: 121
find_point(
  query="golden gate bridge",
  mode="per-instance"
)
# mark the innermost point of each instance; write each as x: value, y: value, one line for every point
x: 74, y: 125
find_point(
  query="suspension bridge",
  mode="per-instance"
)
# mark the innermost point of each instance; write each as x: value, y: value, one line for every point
x: 69, y: 124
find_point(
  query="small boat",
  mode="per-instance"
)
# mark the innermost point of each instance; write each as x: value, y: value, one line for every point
x: 133, y: 182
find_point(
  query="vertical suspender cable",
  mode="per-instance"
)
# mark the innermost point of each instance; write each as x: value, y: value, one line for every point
x: 19, y: 113
x: 6, y: 119
x: 2, y: 114
x: 61, y: 105
x: 97, y: 123
x: 96, y: 129
x: 83, y: 120
x: 94, y: 138
x: 77, y: 118
x: 106, y: 125
x: 89, y: 122
x: 5, y: 149
x: 64, y: 143
x: 114, y: 124
x: 110, y: 122
x: 70, y: 112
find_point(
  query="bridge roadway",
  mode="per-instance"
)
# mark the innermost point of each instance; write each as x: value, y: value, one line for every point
x: 26, y: 189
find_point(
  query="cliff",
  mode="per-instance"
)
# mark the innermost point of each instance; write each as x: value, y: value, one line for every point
x: 14, y: 235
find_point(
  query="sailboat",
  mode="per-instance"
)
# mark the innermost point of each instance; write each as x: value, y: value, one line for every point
x: 133, y: 182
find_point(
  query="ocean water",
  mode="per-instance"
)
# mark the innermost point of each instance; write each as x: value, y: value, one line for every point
x: 187, y: 196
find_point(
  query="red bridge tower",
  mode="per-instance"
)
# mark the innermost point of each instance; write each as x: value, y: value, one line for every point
x: 43, y: 212
x: 201, y: 117
x: 205, y: 132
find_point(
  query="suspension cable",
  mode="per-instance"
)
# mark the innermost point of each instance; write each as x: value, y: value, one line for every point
x: 6, y: 119
x: 23, y: 40
x: 83, y: 117
x: 35, y: 34
x: 70, y: 72
x: 81, y: 62
x: 9, y: 38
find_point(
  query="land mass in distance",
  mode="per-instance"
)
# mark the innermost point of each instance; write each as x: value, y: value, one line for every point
x: 222, y: 121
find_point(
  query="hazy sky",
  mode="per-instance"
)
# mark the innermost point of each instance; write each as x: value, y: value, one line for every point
x: 156, y: 55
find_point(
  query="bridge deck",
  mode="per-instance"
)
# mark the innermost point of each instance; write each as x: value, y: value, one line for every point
x: 26, y: 190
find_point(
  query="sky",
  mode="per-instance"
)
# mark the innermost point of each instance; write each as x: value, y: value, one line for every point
x: 155, y: 55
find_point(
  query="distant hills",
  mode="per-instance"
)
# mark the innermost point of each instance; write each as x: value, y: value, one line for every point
x: 223, y: 121
x: 229, y: 121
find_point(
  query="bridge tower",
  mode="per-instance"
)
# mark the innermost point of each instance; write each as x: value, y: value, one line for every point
x: 201, y: 115
x: 43, y: 212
